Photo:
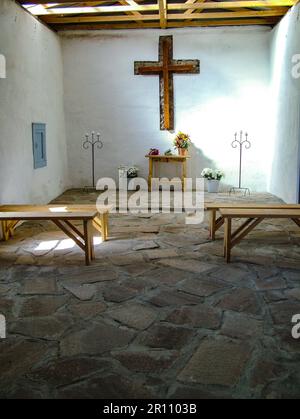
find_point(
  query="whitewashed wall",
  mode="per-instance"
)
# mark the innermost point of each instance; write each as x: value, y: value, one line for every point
x: 101, y: 93
x: 231, y: 93
x: 31, y: 92
x: 285, y: 173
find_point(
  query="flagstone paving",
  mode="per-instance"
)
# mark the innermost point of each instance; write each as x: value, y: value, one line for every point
x: 159, y: 314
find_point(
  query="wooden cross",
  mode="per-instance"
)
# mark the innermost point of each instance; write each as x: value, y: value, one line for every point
x: 165, y: 68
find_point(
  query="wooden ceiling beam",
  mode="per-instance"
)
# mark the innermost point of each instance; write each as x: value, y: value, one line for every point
x: 191, y: 10
x: 234, y: 15
x: 180, y: 16
x: 181, y: 6
x: 131, y: 7
x: 226, y: 22
x: 27, y: 2
x: 154, y: 25
x: 127, y: 8
x: 97, y: 18
x: 162, y: 5
x: 130, y: 3
x: 233, y: 4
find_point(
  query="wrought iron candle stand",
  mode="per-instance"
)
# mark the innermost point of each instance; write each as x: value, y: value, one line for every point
x: 93, y: 142
x: 241, y: 143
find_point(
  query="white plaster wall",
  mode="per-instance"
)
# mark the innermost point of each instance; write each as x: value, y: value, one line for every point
x: 231, y: 93
x: 284, y: 180
x: 31, y: 92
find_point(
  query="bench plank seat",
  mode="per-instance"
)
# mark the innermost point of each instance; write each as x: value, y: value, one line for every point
x: 63, y: 217
x: 225, y: 205
x: 265, y: 213
x: 43, y: 215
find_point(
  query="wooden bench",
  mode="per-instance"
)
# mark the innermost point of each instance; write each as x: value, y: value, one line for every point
x: 63, y: 217
x: 253, y: 218
x: 216, y: 223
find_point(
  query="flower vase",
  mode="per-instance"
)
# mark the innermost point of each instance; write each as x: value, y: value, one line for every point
x: 182, y: 152
x: 213, y: 186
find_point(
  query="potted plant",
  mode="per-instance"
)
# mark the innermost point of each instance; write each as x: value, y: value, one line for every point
x: 182, y: 143
x: 213, y: 178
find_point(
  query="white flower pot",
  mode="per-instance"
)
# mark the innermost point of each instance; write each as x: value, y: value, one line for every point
x: 213, y: 186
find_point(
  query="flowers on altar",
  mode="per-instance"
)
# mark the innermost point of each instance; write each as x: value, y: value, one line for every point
x: 212, y: 174
x: 182, y: 141
x: 154, y: 152
x: 168, y: 152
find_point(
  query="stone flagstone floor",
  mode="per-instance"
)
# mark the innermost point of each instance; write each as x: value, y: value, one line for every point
x: 158, y: 315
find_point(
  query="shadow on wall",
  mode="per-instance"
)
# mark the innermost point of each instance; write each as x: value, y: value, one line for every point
x: 199, y: 161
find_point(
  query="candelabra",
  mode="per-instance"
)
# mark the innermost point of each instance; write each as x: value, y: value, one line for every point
x: 240, y: 143
x: 92, y: 142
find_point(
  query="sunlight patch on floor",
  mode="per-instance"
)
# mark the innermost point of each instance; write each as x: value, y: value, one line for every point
x: 47, y: 245
x: 63, y: 244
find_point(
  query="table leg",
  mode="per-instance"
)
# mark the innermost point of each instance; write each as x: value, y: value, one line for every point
x: 184, y: 174
x: 150, y: 174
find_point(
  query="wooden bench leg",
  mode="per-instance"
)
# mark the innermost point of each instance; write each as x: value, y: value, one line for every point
x: 88, y: 243
x: 227, y: 239
x: 244, y: 230
x: 5, y: 232
x: 8, y: 229
x: 93, y: 257
x: 70, y: 232
x: 232, y: 239
x: 107, y: 225
x: 85, y: 240
x: 296, y: 221
x: 100, y: 223
x: 215, y: 224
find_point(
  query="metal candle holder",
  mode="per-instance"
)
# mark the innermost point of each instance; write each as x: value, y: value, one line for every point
x: 92, y: 143
x: 241, y: 143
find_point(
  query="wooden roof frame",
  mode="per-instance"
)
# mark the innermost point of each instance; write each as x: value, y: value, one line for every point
x: 140, y: 14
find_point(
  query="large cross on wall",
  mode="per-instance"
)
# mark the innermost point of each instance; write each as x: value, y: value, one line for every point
x: 165, y: 68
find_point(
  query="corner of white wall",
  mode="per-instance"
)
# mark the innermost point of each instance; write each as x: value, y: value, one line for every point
x: 284, y: 179
x: 31, y: 92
